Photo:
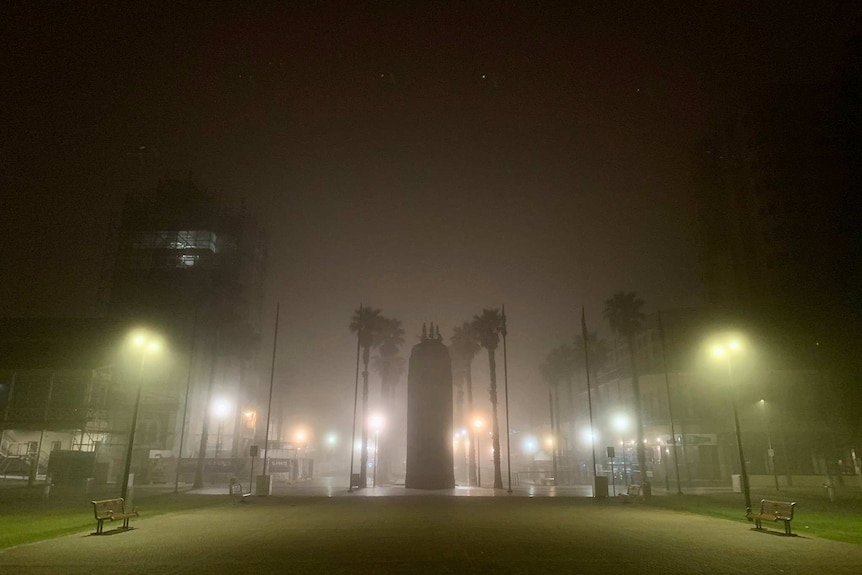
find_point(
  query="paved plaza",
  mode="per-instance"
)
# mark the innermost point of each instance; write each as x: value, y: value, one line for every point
x: 320, y: 528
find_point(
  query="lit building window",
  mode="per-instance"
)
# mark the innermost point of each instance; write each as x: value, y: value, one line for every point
x: 187, y: 261
x: 176, y: 240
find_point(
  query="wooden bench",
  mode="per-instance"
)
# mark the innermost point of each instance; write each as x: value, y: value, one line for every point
x: 236, y: 492
x: 633, y: 492
x: 774, y: 511
x: 112, y: 510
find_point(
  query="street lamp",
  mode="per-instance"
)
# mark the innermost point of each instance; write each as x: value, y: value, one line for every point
x: 376, y: 425
x: 220, y: 409
x: 725, y: 351
x: 477, y: 425
x: 301, y: 444
x: 771, y: 452
x: 621, y: 423
x: 146, y: 343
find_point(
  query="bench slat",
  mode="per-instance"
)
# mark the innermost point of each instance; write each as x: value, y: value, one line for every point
x: 774, y: 511
x: 112, y: 510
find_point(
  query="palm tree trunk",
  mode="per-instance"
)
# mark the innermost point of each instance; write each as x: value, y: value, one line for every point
x: 636, y: 390
x: 498, y: 475
x: 363, y: 458
x: 471, y: 464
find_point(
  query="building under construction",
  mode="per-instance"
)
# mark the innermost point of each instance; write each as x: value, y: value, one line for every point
x: 185, y: 265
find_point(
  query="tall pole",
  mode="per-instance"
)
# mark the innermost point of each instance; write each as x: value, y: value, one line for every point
x: 355, y: 403
x: 376, y: 448
x: 746, y: 491
x: 504, y: 332
x: 124, y: 490
x: 589, y: 395
x: 553, y: 434
x: 205, y: 426
x: 669, y: 406
x: 771, y: 452
x: 271, y: 380
x: 186, y: 403
x: 478, y: 460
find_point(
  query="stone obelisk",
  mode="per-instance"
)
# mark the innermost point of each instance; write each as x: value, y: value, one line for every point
x: 429, y: 415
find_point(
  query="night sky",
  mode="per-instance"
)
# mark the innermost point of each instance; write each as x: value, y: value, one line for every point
x: 429, y: 159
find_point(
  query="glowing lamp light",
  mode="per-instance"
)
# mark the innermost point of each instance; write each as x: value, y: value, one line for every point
x: 221, y: 407
x: 620, y: 422
x: 589, y: 436
x: 376, y: 422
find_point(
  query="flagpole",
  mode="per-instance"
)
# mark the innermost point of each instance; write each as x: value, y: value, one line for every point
x: 271, y: 379
x: 589, y: 395
x: 355, y: 402
x: 669, y: 404
x: 504, y: 331
x: 553, y: 434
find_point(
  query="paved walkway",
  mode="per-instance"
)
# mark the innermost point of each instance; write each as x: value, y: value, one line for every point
x: 337, y: 532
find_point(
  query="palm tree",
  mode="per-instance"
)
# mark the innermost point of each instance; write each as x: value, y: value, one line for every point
x: 464, y: 346
x: 623, y: 312
x: 487, y: 327
x: 365, y: 323
x: 549, y: 374
x: 390, y: 367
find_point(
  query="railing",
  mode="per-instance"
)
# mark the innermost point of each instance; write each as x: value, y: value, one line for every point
x: 34, y: 414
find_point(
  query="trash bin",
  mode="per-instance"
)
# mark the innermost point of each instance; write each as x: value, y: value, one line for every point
x: 263, y: 485
x: 354, y: 480
x: 600, y: 486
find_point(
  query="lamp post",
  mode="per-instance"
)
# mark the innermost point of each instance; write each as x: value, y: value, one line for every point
x: 301, y: 444
x: 220, y: 409
x: 376, y: 426
x: 620, y: 423
x: 726, y: 351
x: 551, y: 444
x: 771, y: 452
x: 477, y: 425
x: 146, y: 343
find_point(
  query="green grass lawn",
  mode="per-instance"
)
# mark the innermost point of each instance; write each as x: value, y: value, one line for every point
x: 25, y: 521
x: 840, y: 520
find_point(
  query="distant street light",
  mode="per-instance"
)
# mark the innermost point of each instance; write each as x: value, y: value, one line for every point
x: 301, y: 445
x: 771, y: 452
x: 376, y: 426
x: 726, y: 351
x: 147, y: 344
x: 220, y: 409
x: 477, y: 425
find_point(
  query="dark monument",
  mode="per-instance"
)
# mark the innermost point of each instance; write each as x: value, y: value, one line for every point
x: 429, y: 415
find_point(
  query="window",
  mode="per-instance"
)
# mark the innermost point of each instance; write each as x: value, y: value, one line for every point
x: 187, y: 260
x: 176, y: 240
